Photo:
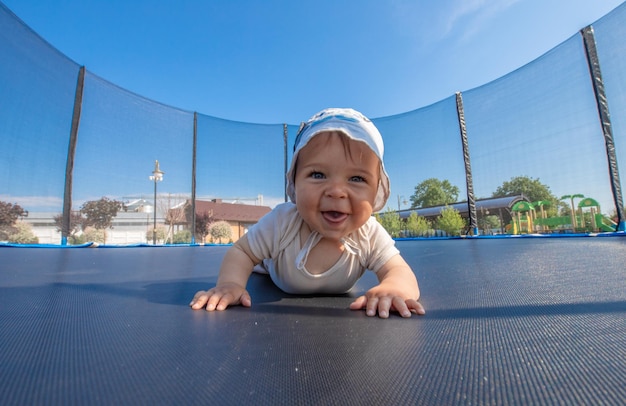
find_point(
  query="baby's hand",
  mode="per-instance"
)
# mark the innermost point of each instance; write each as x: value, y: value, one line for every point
x: 397, y: 291
x: 220, y: 297
x: 376, y: 301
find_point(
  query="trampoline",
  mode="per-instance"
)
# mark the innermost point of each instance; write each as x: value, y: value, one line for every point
x: 509, y: 321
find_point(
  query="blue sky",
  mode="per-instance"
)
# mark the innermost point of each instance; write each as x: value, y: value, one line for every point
x: 281, y: 61
x: 274, y: 62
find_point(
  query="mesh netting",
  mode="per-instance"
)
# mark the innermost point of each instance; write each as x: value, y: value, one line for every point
x: 541, y: 121
x: 37, y: 87
x: 413, y: 139
x: 546, y: 113
x: 251, y: 171
x: 120, y: 136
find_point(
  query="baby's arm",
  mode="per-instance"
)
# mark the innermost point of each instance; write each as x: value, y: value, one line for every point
x: 397, y: 291
x: 231, y: 283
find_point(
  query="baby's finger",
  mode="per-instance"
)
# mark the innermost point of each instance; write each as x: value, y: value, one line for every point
x: 371, y: 306
x: 401, y: 307
x: 199, y: 300
x: 415, y: 307
x: 218, y: 301
x: 384, y: 304
x: 245, y: 300
x: 359, y: 303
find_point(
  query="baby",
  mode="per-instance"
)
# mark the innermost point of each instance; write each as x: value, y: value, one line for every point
x: 325, y: 238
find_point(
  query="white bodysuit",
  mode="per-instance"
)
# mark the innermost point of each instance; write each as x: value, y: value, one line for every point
x: 276, y: 239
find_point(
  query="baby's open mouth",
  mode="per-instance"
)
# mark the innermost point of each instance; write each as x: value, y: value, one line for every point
x: 334, y: 216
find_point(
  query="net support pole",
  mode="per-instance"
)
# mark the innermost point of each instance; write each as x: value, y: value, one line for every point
x: 193, y: 177
x: 285, y: 149
x: 71, y: 151
x: 471, y: 203
x: 605, y: 121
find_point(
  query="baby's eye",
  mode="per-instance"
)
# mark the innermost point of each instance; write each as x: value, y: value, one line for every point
x: 317, y: 175
x: 357, y: 179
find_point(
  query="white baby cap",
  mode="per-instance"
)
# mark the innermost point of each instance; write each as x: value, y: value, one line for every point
x: 353, y: 124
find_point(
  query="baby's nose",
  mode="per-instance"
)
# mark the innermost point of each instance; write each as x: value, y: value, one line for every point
x: 336, y: 190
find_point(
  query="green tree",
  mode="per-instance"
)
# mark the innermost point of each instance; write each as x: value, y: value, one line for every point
x: 532, y: 189
x: 434, y: 192
x: 450, y: 221
x: 221, y: 230
x: 9, y: 214
x: 417, y: 225
x: 390, y: 220
x: 99, y: 214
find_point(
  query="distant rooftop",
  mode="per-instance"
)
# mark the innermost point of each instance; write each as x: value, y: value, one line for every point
x: 231, y: 211
x: 484, y: 204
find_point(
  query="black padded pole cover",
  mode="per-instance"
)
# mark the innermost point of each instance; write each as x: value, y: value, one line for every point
x: 71, y: 151
x: 471, y: 203
x: 605, y: 120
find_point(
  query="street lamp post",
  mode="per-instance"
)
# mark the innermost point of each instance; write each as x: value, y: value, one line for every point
x: 157, y: 176
x: 403, y: 201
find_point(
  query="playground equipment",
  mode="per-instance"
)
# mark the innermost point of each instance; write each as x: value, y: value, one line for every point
x: 526, y: 221
x: 524, y: 213
x: 598, y: 220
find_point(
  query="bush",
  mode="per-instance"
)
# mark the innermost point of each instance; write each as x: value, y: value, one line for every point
x: 417, y: 225
x: 161, y: 234
x: 390, y: 220
x: 220, y: 230
x: 77, y: 239
x: 23, y: 234
x: 450, y: 221
x: 182, y: 237
x: 94, y: 235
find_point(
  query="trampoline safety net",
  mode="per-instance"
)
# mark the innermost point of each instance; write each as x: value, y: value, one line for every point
x: 69, y: 137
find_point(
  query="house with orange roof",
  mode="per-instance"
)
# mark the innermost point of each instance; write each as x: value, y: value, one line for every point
x: 239, y: 216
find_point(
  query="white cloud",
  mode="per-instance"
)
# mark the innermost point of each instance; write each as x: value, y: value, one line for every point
x: 466, y: 18
x: 431, y: 22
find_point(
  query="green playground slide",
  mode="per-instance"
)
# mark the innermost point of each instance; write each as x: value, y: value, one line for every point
x: 604, y: 223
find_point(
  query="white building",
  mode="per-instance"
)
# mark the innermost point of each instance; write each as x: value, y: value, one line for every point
x: 129, y: 227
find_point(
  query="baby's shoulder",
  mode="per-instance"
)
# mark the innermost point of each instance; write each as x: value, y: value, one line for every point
x: 374, y: 233
x: 372, y: 225
x: 285, y: 213
x: 283, y: 220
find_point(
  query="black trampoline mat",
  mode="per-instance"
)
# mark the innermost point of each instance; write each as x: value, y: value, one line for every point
x: 511, y: 321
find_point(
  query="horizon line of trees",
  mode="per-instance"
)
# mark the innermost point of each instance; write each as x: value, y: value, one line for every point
x: 94, y: 217
x: 435, y: 192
